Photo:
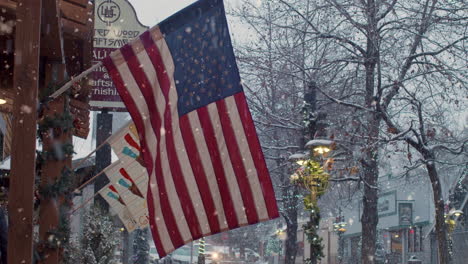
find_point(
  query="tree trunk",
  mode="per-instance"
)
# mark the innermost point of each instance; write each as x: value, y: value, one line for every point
x: 370, y: 163
x: 291, y: 225
x: 440, y: 227
x: 370, y: 166
x: 370, y: 216
x: 291, y: 247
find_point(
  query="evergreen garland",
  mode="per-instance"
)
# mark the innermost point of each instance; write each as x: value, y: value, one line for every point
x: 62, y: 187
x: 312, y: 177
x: 311, y: 231
x: 61, y: 190
x: 58, y: 237
x: 58, y: 124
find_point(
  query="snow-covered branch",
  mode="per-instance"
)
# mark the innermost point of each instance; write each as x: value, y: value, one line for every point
x: 278, y: 125
x: 454, y: 150
x: 345, y: 179
x: 325, y: 35
x: 423, y: 27
x: 434, y: 53
x: 340, y: 102
x: 281, y: 147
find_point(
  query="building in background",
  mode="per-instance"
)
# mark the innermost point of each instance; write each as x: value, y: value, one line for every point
x: 405, y: 215
x: 406, y: 221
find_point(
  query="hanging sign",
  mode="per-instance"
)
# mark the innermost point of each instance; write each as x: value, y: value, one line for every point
x: 115, y: 24
x: 118, y: 206
x: 405, y: 214
x: 131, y: 181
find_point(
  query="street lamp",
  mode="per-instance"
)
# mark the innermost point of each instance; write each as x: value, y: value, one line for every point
x: 298, y: 158
x: 451, y: 221
x: 456, y: 213
x: 281, y: 234
x: 311, y: 176
x: 320, y: 147
x: 340, y: 228
x: 451, y: 218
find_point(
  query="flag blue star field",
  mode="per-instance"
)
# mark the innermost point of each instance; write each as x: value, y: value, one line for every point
x: 181, y: 85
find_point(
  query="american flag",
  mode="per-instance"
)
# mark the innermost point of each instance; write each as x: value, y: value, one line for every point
x: 181, y: 85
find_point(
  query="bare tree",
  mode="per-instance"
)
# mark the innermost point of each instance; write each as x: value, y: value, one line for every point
x: 275, y: 97
x: 381, y: 59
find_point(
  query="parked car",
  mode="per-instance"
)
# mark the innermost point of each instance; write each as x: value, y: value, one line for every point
x: 187, y: 253
x: 213, y: 255
x: 250, y: 255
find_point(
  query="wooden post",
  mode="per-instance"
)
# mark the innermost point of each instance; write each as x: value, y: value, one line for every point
x: 51, y: 170
x: 103, y: 155
x: 23, y: 161
x: 49, y: 213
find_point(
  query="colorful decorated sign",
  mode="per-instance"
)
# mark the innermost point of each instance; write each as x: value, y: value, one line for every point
x: 125, y: 144
x: 130, y: 180
x: 114, y: 198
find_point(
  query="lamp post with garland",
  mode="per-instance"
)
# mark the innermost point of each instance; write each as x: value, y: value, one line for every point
x: 340, y: 228
x: 201, y: 251
x: 451, y: 218
x: 312, y: 177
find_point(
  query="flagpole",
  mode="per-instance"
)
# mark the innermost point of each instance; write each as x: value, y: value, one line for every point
x: 94, y: 151
x: 90, y: 180
x: 74, y: 80
x: 95, y: 176
x: 83, y: 204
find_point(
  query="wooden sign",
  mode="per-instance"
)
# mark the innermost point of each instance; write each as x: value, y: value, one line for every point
x: 115, y: 24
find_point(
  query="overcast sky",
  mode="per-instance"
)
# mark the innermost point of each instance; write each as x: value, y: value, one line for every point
x: 151, y: 12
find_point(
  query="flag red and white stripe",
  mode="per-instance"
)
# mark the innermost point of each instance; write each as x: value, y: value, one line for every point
x: 206, y: 169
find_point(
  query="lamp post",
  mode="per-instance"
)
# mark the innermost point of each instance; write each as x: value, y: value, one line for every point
x: 340, y: 228
x: 281, y: 234
x: 201, y: 251
x: 451, y: 218
x: 312, y: 177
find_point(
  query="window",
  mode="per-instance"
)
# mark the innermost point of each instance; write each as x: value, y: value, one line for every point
x: 411, y: 239
x: 396, y: 241
x: 415, y: 239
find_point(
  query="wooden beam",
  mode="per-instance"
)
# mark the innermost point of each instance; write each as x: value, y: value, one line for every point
x: 78, y: 2
x: 52, y: 37
x: 23, y: 155
x: 8, y: 96
x: 8, y: 5
x: 88, y: 41
x: 74, y: 29
x: 74, y: 12
x: 87, y: 56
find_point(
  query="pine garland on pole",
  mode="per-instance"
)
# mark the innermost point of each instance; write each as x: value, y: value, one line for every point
x: 312, y: 177
x: 57, y: 180
x: 311, y: 231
